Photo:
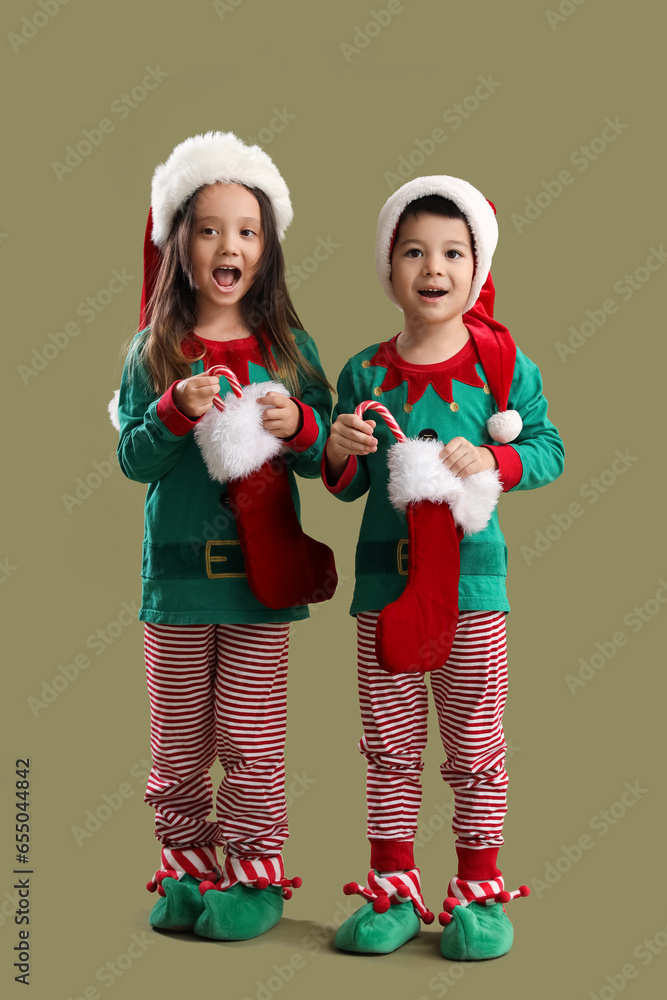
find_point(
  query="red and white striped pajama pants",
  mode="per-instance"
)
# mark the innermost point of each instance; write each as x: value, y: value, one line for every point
x: 218, y: 690
x: 470, y: 691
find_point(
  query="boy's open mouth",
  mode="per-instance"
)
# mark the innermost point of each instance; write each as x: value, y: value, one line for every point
x: 226, y: 277
x: 432, y: 293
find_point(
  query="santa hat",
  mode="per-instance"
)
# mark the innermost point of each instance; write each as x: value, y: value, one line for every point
x: 495, y: 346
x: 205, y: 159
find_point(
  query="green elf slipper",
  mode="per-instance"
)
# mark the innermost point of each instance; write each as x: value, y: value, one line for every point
x: 476, y: 931
x: 390, y: 918
x: 368, y: 932
x: 239, y: 912
x: 180, y: 907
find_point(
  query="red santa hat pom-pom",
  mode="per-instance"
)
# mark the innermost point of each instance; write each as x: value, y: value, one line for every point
x: 381, y: 904
x: 505, y: 426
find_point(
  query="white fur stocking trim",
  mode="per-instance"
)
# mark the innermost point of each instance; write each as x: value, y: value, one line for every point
x: 233, y: 442
x: 416, y: 472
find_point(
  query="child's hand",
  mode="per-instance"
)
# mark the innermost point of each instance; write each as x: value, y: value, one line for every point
x: 284, y: 417
x: 464, y: 459
x: 194, y: 396
x: 350, y: 435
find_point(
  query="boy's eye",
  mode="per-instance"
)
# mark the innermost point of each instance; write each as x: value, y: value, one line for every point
x: 450, y: 252
x: 413, y: 252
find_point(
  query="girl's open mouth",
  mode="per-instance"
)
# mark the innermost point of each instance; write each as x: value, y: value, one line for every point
x: 226, y: 278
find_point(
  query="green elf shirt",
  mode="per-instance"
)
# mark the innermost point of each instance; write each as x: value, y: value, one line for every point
x: 192, y: 566
x: 445, y: 400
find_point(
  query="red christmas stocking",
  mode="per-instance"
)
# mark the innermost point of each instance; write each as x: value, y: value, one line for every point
x: 415, y: 633
x: 285, y: 567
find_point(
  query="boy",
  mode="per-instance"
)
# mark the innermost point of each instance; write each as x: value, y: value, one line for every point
x: 448, y: 376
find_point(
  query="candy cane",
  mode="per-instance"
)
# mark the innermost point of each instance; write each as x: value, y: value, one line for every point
x: 370, y: 404
x: 237, y: 388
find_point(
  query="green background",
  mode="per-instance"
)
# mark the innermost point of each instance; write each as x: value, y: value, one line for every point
x: 68, y: 568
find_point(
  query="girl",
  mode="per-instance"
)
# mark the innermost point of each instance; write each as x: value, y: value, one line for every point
x: 442, y: 378
x: 216, y: 656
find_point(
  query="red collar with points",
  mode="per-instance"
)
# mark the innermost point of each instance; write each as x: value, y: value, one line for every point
x: 460, y: 367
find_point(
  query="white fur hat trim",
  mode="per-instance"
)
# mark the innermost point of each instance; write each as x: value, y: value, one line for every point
x: 481, y: 219
x: 504, y: 426
x: 416, y: 472
x: 207, y: 159
x: 112, y: 409
x: 233, y: 441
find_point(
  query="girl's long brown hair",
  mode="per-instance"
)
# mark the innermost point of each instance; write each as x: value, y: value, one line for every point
x: 266, y: 308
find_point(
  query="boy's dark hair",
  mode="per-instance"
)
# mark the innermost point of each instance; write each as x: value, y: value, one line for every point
x: 266, y: 308
x: 435, y: 204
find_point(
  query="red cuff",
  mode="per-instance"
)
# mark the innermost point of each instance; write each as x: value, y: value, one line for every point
x: 392, y: 855
x: 171, y: 416
x: 306, y: 436
x: 345, y: 478
x: 509, y: 464
x: 478, y: 865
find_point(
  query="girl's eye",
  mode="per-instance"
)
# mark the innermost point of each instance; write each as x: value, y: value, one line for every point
x: 208, y: 230
x: 248, y: 232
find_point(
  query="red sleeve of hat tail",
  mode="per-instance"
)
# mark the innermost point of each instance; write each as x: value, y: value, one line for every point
x: 345, y: 478
x: 171, y: 416
x: 306, y: 436
x: 509, y: 464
